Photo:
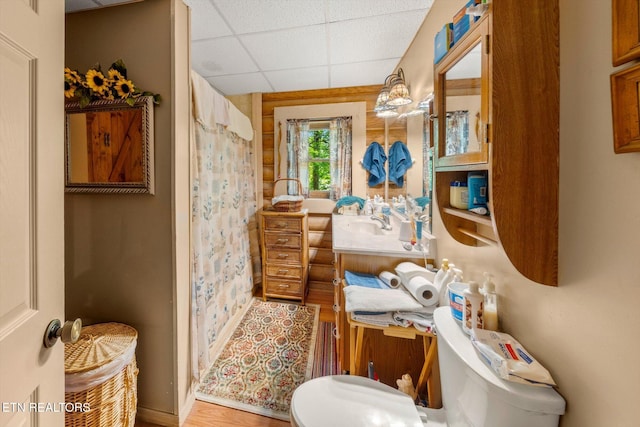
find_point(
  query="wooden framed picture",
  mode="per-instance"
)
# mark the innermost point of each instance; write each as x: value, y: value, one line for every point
x: 625, y: 31
x: 625, y: 103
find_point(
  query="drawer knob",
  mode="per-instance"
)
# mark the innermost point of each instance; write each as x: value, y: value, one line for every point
x: 282, y: 285
x: 283, y: 255
x: 283, y: 271
x: 282, y: 240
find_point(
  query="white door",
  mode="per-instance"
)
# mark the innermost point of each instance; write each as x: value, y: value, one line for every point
x: 31, y: 210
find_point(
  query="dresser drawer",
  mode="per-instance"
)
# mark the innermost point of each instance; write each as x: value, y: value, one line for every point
x: 292, y: 225
x: 275, y: 286
x: 282, y: 240
x: 284, y: 271
x: 291, y: 256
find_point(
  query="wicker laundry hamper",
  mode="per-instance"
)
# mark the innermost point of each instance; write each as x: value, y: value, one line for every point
x: 101, y: 377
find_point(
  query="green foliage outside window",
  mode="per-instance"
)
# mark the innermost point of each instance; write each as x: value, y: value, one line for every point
x: 319, y: 167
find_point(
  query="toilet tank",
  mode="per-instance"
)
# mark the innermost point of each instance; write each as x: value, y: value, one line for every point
x: 473, y: 395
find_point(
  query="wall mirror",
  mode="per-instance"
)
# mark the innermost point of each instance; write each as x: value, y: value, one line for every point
x: 109, y: 147
x: 461, y: 102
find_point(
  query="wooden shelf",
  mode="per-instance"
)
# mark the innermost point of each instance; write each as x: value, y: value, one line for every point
x: 479, y: 237
x: 480, y: 219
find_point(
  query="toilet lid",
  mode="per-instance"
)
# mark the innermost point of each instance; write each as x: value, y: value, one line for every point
x: 351, y: 401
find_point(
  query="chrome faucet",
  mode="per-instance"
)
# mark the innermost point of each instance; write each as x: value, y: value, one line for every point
x: 385, y: 221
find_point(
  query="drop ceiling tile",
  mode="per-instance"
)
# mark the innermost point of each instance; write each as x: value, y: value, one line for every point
x: 256, y: 16
x: 299, y: 79
x: 340, y: 10
x: 373, y: 38
x: 293, y: 48
x: 362, y: 73
x: 240, y: 84
x: 206, y: 22
x: 220, y: 56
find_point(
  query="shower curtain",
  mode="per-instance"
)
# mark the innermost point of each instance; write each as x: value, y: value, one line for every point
x: 223, y: 229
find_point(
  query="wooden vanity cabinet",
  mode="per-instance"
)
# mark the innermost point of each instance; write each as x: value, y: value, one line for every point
x: 285, y: 254
x: 517, y: 131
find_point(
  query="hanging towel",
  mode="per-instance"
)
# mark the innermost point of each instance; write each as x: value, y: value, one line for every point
x: 373, y: 161
x: 399, y: 162
x: 349, y: 200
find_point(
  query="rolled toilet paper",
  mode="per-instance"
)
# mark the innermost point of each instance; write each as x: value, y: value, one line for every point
x: 408, y: 270
x: 390, y: 279
x: 423, y: 290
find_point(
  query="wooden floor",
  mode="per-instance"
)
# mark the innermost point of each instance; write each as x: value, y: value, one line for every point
x: 206, y: 414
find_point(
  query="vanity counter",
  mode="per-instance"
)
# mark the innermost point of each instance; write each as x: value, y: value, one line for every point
x: 360, y: 235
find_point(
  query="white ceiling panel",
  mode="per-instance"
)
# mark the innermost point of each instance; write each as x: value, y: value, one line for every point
x: 240, y: 83
x: 379, y: 37
x: 302, y: 79
x: 341, y: 10
x: 251, y: 16
x: 220, y: 56
x: 206, y: 22
x: 244, y: 46
x: 293, y: 48
x: 362, y: 73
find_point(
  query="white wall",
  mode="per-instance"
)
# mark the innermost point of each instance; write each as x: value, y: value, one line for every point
x: 585, y: 330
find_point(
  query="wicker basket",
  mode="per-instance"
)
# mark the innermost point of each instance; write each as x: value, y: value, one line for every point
x: 289, y: 205
x: 101, y: 377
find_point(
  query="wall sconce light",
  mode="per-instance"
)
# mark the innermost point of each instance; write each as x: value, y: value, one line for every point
x: 382, y: 108
x: 393, y: 94
x: 399, y: 93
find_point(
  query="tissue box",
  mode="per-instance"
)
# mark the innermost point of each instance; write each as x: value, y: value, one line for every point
x: 462, y: 22
x: 443, y: 42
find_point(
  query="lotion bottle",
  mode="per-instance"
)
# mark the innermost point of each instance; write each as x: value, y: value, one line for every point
x: 490, y: 309
x: 473, y: 308
x: 446, y: 278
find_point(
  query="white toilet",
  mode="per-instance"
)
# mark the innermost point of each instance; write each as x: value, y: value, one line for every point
x: 472, y: 395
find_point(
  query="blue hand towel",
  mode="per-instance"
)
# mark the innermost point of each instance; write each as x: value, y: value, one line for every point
x: 349, y: 200
x: 363, y: 279
x: 373, y: 161
x: 399, y: 162
x: 422, y: 201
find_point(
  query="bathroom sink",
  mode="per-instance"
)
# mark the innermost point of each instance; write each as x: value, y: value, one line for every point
x: 365, y: 226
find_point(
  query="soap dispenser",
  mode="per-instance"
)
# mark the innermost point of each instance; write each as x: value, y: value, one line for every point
x: 473, y: 307
x: 490, y: 309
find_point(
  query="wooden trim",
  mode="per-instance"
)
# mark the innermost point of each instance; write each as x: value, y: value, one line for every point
x: 625, y: 32
x: 625, y: 106
x: 157, y: 417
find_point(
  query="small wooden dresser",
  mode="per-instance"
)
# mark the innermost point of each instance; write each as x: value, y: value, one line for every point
x: 285, y: 254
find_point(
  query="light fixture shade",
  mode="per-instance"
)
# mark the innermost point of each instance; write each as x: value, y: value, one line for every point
x: 399, y: 93
x: 381, y: 102
x: 388, y: 112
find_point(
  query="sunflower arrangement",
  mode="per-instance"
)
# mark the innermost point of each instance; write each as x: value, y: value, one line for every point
x: 95, y: 85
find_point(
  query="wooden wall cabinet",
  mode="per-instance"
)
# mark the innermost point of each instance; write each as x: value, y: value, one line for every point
x: 285, y: 254
x: 517, y: 131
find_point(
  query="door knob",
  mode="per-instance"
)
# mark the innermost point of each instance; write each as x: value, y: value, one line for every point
x: 69, y: 332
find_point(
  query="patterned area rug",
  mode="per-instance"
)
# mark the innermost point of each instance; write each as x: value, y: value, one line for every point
x: 270, y: 353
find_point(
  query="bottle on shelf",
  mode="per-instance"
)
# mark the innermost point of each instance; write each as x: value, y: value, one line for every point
x: 473, y: 308
x: 490, y: 309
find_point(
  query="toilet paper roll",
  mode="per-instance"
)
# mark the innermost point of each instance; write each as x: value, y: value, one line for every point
x: 390, y: 279
x: 424, y: 291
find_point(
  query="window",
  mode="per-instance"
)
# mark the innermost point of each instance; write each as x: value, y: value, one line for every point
x: 319, y: 160
x: 319, y: 156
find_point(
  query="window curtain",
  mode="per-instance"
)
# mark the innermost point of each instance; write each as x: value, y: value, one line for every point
x: 340, y: 157
x: 298, y: 155
x: 223, y: 229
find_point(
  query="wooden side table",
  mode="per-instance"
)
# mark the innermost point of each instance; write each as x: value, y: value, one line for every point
x: 430, y: 373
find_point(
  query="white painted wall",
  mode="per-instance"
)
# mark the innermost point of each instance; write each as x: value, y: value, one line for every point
x: 585, y: 330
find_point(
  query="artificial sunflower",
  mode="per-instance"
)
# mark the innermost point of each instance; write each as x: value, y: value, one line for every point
x: 97, y: 81
x: 72, y: 76
x: 69, y: 89
x: 124, y: 88
x: 115, y: 75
